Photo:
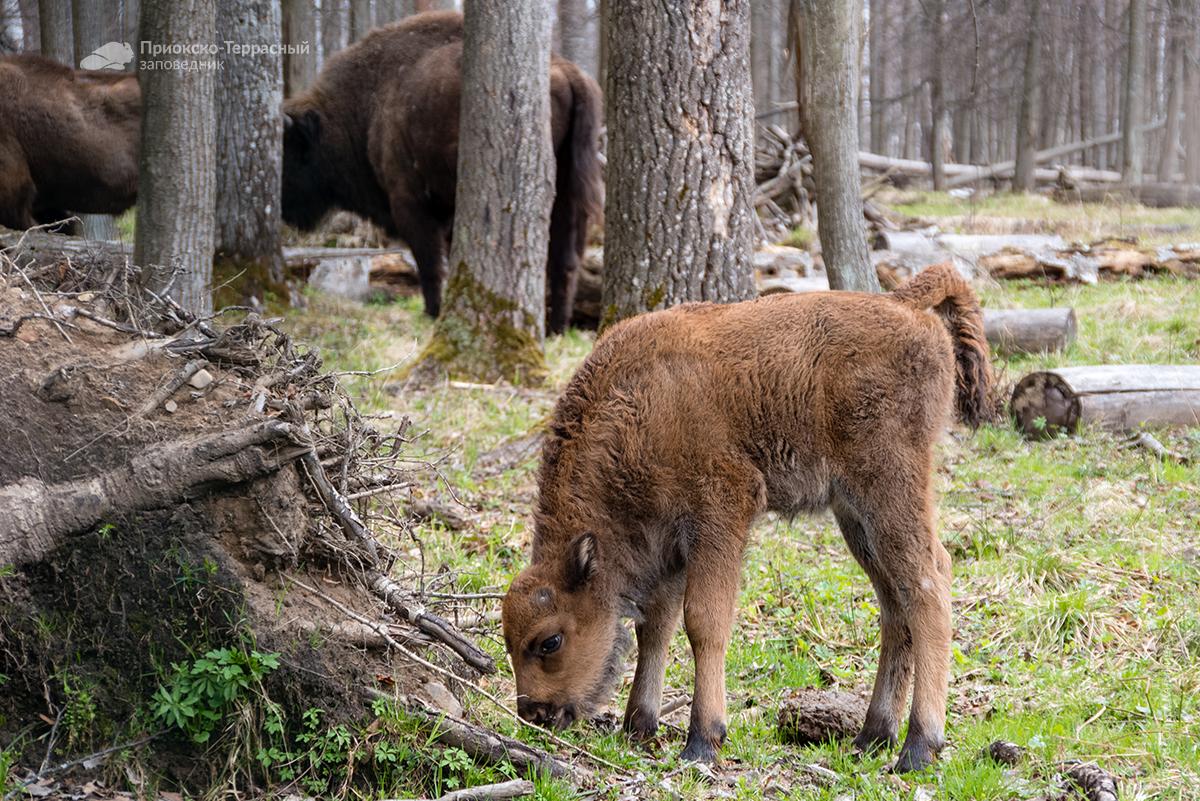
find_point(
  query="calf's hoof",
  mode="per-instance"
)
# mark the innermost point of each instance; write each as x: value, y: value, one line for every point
x: 915, y: 755
x: 641, y: 724
x: 702, y: 746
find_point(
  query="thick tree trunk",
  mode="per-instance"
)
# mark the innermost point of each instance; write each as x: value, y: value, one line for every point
x: 58, y: 40
x: 1026, y: 160
x: 176, y: 176
x: 1191, y: 162
x: 1135, y: 80
x: 493, y: 318
x: 249, y: 141
x: 1168, y: 158
x: 824, y: 32
x: 299, y: 27
x: 680, y: 156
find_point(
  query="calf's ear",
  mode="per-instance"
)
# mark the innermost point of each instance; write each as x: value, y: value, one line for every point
x: 581, y: 561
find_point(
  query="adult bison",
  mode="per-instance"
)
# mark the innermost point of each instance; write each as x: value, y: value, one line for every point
x: 69, y: 141
x: 377, y: 134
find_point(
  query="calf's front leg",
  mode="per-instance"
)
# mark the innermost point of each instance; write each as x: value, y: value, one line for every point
x: 660, y: 618
x: 708, y: 611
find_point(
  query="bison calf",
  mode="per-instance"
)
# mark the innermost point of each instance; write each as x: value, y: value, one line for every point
x: 680, y: 429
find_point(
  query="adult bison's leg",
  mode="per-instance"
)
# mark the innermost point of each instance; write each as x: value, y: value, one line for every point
x: 894, y: 674
x: 425, y: 236
x: 660, y: 618
x: 567, y: 230
x: 898, y: 519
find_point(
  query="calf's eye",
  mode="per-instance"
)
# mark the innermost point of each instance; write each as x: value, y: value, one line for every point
x: 550, y: 644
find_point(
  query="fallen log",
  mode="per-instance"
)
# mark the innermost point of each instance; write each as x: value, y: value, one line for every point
x: 517, y: 788
x: 1155, y: 195
x: 36, y: 517
x: 1112, y: 397
x: 1030, y: 330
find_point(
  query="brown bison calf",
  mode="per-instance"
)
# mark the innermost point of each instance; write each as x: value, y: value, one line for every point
x: 69, y: 141
x: 680, y: 429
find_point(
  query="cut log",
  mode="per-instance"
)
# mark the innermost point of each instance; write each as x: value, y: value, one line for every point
x: 1112, y: 397
x: 1029, y: 330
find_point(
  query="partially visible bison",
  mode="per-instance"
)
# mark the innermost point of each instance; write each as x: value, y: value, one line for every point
x: 377, y: 134
x: 69, y: 141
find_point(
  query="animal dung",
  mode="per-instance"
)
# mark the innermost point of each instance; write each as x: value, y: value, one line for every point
x: 1004, y: 752
x: 1091, y: 781
x: 811, y: 716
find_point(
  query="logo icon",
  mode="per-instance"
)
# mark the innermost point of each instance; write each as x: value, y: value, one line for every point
x: 112, y: 56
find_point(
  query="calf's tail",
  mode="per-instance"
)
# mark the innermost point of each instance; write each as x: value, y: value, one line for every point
x: 942, y: 289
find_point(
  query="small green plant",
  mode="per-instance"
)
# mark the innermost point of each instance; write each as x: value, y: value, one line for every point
x: 79, y: 714
x: 199, y: 695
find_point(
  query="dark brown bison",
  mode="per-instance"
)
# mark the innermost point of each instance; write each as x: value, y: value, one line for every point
x: 377, y: 134
x: 69, y: 141
x: 685, y: 425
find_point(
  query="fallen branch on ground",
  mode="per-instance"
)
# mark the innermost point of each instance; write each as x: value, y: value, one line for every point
x: 489, y: 792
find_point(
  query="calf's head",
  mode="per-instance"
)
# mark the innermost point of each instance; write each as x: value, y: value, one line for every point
x: 564, y: 636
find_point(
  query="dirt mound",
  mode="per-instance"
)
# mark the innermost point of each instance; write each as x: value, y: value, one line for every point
x: 170, y: 489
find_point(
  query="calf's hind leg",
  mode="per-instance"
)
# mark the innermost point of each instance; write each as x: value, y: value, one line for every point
x: 894, y: 674
x: 660, y: 618
x: 897, y: 517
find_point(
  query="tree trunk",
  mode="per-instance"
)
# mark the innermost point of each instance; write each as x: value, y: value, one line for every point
x: 680, y: 156
x: 823, y: 32
x: 1026, y: 133
x: 92, y: 25
x: 129, y: 21
x: 1135, y: 81
x: 574, y: 29
x: 334, y: 19
x: 493, y: 319
x: 249, y: 142
x: 31, y: 32
x: 937, y: 94
x: 58, y: 41
x: 361, y: 18
x: 176, y: 178
x: 878, y: 75
x: 1191, y: 164
x: 299, y: 28
x: 1177, y: 54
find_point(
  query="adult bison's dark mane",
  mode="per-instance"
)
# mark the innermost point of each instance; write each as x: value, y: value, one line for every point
x: 377, y: 134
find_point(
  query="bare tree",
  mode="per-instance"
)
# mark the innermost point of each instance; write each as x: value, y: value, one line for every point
x: 493, y: 318
x: 335, y: 18
x: 1135, y: 79
x: 31, y: 34
x: 362, y: 19
x: 176, y: 176
x: 1026, y: 129
x: 1191, y: 164
x: 58, y: 41
x: 824, y: 33
x: 680, y: 155
x: 575, y: 33
x: 936, y: 10
x: 92, y: 25
x: 1177, y: 38
x: 249, y: 144
x: 299, y: 27
x: 878, y: 75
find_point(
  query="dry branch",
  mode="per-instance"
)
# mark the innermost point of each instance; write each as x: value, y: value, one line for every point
x: 516, y: 788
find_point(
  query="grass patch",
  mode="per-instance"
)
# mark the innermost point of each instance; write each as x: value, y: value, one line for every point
x: 1077, y: 568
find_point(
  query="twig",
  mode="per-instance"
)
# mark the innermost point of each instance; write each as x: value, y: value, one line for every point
x: 1148, y: 441
x: 487, y: 792
x: 391, y: 594
x: 671, y: 706
x: 41, y: 774
x: 452, y: 676
x: 181, y: 377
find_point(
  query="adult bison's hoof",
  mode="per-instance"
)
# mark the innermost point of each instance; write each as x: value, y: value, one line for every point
x: 868, y: 742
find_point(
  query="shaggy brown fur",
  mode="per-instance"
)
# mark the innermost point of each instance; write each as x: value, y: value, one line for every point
x: 69, y: 141
x: 377, y: 134
x: 681, y: 428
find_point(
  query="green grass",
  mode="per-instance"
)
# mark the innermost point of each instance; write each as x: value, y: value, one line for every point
x: 1077, y: 573
x: 996, y: 213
